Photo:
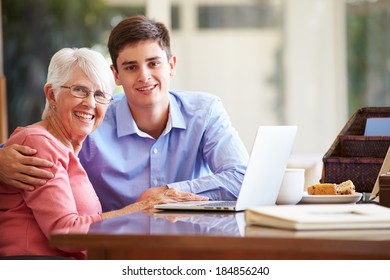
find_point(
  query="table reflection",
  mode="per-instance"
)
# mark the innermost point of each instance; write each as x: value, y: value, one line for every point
x: 210, y: 224
x: 171, y: 223
x: 222, y: 235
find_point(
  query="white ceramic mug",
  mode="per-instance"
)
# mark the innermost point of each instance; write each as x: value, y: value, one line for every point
x: 293, y: 184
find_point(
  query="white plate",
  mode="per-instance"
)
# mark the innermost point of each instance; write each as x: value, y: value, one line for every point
x: 350, y: 198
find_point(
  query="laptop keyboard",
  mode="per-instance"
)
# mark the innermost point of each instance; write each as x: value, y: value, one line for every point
x: 220, y: 203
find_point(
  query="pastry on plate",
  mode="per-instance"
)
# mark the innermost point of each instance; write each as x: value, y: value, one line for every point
x: 322, y: 189
x: 344, y: 188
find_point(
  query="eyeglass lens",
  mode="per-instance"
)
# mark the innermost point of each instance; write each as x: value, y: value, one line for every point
x: 82, y: 92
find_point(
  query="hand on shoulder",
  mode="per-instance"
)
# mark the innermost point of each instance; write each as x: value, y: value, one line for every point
x: 20, y: 169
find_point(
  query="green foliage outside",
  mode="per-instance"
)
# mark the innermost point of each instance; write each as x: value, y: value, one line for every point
x: 368, y: 54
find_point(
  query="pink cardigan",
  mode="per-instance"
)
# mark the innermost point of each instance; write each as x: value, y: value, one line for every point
x: 68, y: 200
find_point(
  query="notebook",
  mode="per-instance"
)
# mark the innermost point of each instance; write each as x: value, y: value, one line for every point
x: 320, y: 216
x: 263, y: 177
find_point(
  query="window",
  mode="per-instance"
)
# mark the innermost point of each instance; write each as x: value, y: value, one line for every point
x: 257, y: 15
x: 368, y: 52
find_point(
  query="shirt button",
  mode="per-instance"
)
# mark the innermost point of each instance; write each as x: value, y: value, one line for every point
x: 155, y: 151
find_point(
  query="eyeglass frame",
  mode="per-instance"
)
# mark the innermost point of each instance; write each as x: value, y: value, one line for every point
x: 87, y: 92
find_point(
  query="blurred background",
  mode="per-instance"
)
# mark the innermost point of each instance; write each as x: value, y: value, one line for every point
x: 310, y: 63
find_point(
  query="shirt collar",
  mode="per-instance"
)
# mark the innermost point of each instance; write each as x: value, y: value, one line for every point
x: 126, y: 124
x: 175, y: 113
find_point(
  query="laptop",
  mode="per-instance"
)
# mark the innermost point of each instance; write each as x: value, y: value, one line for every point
x: 264, y: 174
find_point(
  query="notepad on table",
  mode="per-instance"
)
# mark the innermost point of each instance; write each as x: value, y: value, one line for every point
x: 320, y: 216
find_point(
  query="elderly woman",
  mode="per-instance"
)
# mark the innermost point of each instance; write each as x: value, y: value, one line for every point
x: 78, y: 92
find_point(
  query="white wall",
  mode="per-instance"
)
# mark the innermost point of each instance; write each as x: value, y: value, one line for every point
x: 315, y: 71
x: 214, y: 62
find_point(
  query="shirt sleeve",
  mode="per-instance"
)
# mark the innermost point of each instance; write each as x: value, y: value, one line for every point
x: 225, y: 154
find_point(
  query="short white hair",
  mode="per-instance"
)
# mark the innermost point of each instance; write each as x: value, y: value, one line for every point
x: 91, y: 62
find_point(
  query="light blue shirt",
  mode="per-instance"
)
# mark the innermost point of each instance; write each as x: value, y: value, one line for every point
x: 199, y: 152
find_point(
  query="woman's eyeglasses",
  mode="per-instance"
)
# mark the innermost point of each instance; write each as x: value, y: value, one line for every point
x: 83, y: 92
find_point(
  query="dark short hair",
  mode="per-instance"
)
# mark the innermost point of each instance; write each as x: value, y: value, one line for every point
x: 132, y: 30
